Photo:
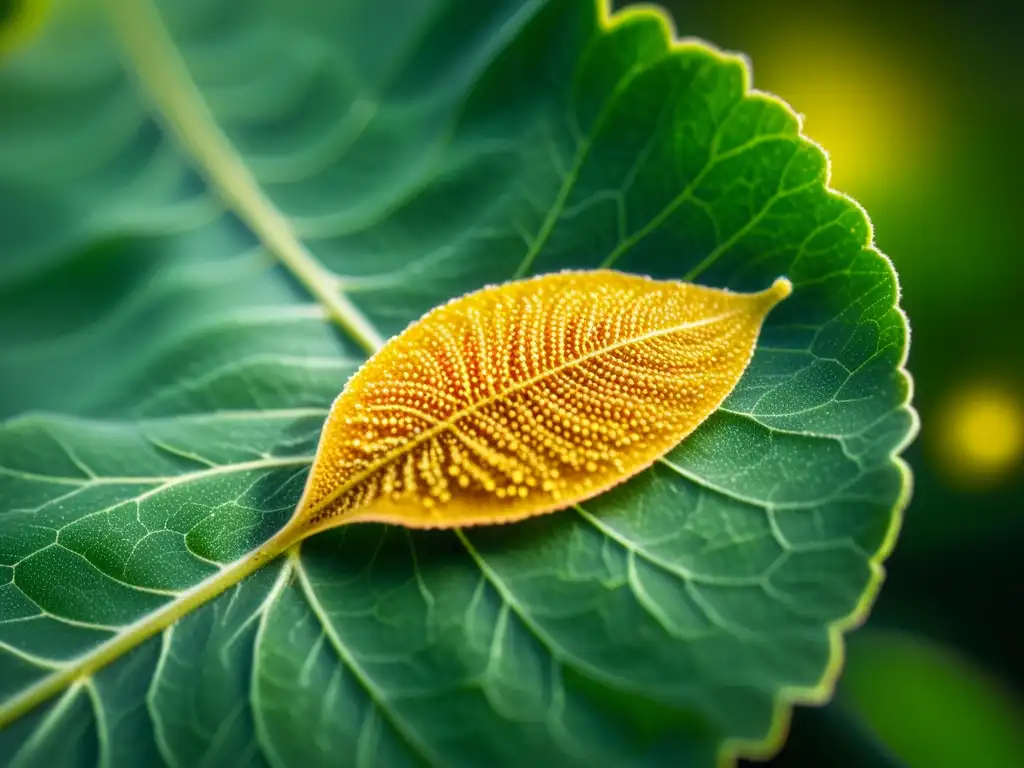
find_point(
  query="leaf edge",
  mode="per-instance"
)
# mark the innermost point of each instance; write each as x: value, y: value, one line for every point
x: 732, y: 749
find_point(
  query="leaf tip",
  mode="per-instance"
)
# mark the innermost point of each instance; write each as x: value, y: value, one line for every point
x: 780, y: 289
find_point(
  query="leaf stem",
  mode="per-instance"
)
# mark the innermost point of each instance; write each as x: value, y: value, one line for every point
x: 182, y: 107
x: 149, y: 625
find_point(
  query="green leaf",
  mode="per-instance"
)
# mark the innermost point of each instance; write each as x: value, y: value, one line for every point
x: 211, y: 211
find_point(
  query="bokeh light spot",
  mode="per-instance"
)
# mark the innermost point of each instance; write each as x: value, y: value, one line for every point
x: 863, y: 101
x: 980, y: 434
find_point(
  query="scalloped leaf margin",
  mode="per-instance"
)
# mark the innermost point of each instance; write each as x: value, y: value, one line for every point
x: 733, y: 749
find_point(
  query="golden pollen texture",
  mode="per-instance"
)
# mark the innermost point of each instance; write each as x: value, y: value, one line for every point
x: 528, y: 397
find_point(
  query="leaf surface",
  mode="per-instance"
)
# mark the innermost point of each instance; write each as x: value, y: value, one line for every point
x: 211, y: 211
x: 528, y: 397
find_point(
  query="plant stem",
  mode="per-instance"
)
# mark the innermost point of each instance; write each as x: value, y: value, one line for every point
x: 186, y: 114
x: 149, y: 625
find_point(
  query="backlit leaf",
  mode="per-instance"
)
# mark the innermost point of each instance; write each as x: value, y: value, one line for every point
x: 213, y: 211
x: 522, y: 399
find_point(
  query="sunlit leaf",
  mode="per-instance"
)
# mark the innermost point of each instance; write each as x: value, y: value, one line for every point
x: 527, y: 398
x: 212, y: 211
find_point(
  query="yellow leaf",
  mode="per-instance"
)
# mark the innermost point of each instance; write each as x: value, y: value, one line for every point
x: 528, y: 397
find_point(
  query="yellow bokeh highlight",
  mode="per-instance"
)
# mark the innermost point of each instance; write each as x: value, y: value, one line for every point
x: 863, y: 102
x: 19, y: 21
x: 980, y: 434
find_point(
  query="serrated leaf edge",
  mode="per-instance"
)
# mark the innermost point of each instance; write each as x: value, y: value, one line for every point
x: 732, y: 750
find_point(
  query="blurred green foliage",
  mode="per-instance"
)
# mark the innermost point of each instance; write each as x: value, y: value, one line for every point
x: 929, y: 706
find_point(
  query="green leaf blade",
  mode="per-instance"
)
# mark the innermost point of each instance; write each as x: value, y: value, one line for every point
x: 409, y: 163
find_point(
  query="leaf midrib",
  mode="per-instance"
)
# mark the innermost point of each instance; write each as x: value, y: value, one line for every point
x: 168, y: 85
x: 178, y: 103
x: 477, y: 405
x: 132, y: 635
